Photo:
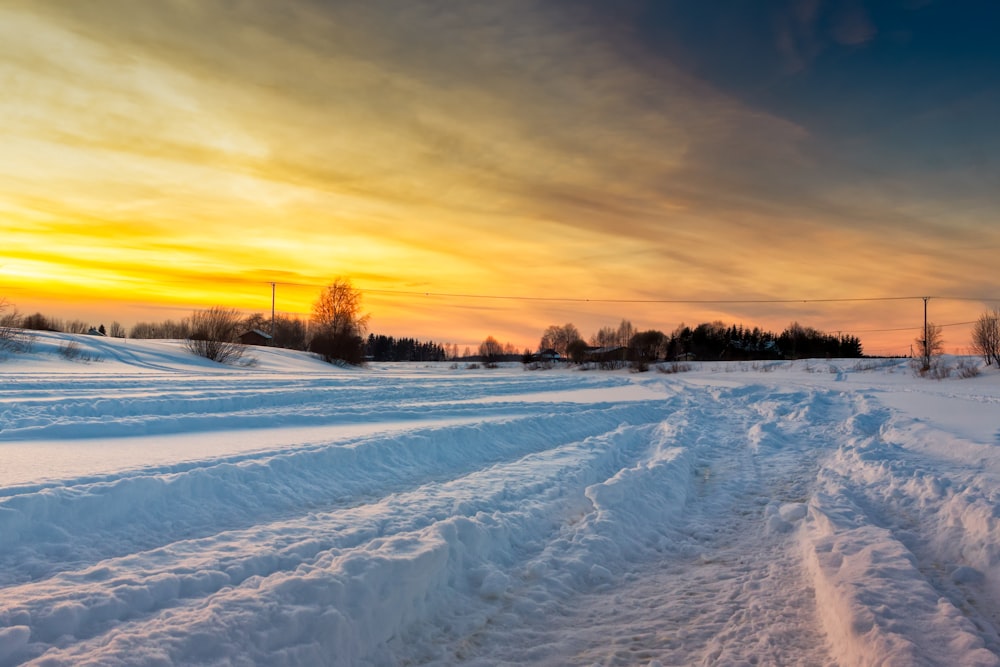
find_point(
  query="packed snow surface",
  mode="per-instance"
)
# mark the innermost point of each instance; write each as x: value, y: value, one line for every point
x: 157, y: 509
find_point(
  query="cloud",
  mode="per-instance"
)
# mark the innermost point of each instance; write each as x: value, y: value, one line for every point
x: 468, y: 147
x: 797, y: 36
x: 852, y: 25
x: 805, y: 29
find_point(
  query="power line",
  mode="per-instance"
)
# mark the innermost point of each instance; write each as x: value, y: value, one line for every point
x: 508, y: 297
x: 567, y: 299
x: 951, y: 324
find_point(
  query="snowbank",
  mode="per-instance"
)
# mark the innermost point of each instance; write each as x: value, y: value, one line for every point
x: 158, y: 509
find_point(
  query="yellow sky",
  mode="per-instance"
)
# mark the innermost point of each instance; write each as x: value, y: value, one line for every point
x: 161, y: 157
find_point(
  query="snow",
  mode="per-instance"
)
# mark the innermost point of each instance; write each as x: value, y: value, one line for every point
x: 158, y: 509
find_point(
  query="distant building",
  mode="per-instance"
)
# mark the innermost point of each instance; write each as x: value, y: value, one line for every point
x: 255, y: 337
x: 95, y: 332
x: 607, y: 352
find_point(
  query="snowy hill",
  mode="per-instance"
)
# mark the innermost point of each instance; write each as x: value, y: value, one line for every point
x: 156, y: 508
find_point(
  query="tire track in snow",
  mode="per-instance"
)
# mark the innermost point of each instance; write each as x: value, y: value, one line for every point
x: 700, y: 575
x: 519, y: 495
x: 140, y: 511
x: 887, y: 515
x: 40, y: 410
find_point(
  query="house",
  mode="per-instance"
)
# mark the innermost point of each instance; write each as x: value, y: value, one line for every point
x: 255, y: 337
x: 546, y: 355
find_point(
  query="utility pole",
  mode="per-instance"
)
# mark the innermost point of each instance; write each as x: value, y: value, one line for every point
x: 927, y: 352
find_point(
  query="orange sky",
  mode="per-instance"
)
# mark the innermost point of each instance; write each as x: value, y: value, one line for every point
x: 161, y: 157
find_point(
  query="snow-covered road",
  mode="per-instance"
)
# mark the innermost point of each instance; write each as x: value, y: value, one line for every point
x: 157, y: 509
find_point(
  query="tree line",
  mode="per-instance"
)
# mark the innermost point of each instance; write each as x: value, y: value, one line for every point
x: 708, y: 341
x: 388, y: 348
x: 336, y: 331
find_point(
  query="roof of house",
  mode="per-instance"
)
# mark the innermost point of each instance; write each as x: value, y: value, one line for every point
x: 258, y: 332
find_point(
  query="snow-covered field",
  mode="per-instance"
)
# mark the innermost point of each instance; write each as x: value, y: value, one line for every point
x: 158, y: 509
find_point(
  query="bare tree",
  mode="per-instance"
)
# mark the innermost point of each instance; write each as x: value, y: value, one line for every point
x: 605, y: 337
x: 12, y: 337
x: 76, y: 327
x: 986, y: 336
x: 559, y: 338
x: 338, y: 325
x: 930, y: 346
x: 288, y: 332
x: 624, y: 333
x: 490, y: 351
x: 9, y: 320
x: 166, y: 329
x: 215, y: 334
x: 116, y: 330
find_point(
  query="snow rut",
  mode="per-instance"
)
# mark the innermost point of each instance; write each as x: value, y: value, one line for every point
x: 35, y: 409
x: 685, y: 557
x: 500, y: 520
x: 922, y: 542
x: 360, y: 539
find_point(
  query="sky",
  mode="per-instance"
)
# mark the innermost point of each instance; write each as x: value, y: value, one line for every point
x: 799, y: 160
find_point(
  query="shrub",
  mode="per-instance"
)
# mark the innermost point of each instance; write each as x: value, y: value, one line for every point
x: 639, y: 366
x: 12, y: 337
x: 674, y: 367
x: 71, y: 351
x: 215, y: 335
x: 967, y: 369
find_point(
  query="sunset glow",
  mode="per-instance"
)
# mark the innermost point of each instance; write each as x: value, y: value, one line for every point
x: 161, y: 157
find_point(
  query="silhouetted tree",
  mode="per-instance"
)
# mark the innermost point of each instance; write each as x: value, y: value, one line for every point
x: 605, y: 337
x: 39, y: 322
x: 76, y: 327
x: 709, y: 340
x: 165, y: 329
x: 338, y: 325
x: 559, y: 338
x: 647, y: 346
x: 930, y: 345
x: 490, y: 352
x: 623, y: 336
x: 679, y: 344
x: 577, y: 351
x: 799, y: 342
x: 388, y: 348
x: 986, y: 336
x: 289, y: 332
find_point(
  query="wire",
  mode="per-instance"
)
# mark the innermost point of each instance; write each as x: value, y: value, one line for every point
x: 951, y: 324
x: 664, y: 301
x: 514, y: 297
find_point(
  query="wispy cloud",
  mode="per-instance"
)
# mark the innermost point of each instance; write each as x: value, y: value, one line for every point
x: 469, y: 146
